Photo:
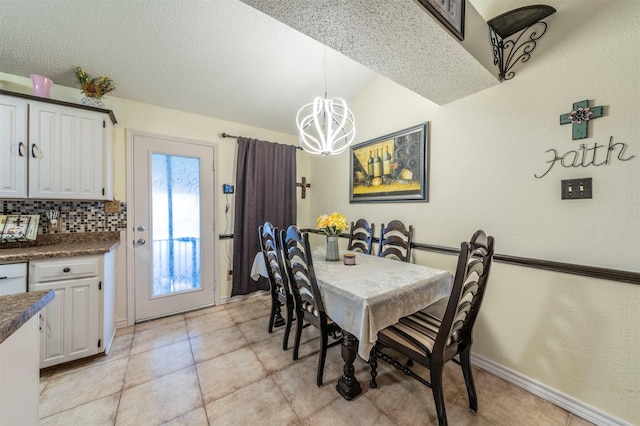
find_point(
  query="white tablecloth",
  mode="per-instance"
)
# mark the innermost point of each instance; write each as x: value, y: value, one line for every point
x: 372, y: 294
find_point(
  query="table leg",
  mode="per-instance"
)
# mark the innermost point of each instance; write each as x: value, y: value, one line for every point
x: 348, y: 386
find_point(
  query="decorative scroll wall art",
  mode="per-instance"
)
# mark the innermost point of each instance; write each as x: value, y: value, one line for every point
x: 393, y: 167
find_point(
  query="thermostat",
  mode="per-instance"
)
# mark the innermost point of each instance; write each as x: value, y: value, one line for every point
x: 227, y: 188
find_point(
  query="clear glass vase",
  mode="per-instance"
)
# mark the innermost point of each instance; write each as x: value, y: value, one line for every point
x: 332, y: 248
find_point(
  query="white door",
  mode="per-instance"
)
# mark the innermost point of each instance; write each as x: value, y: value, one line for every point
x: 173, y: 209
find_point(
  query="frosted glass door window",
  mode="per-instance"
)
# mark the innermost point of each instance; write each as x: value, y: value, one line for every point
x: 175, y: 194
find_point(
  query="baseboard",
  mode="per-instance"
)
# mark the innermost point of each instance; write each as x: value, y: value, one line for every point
x: 570, y: 404
x: 121, y: 324
x: 225, y: 300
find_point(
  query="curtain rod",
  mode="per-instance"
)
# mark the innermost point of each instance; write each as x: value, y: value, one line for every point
x: 227, y: 135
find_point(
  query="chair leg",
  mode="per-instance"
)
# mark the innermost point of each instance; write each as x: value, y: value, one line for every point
x: 287, y: 329
x: 296, y: 344
x: 323, y: 355
x: 275, y: 304
x: 438, y: 394
x: 373, y: 362
x: 465, y: 362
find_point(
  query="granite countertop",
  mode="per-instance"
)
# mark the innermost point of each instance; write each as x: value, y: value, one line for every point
x: 60, y: 245
x: 17, y: 309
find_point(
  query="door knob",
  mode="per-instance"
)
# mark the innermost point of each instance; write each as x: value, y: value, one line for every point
x: 140, y: 242
x: 141, y: 228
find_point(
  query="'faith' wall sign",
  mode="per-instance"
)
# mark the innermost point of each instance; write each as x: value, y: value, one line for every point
x: 579, y: 118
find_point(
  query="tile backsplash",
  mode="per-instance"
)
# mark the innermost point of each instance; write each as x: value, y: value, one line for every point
x: 76, y: 216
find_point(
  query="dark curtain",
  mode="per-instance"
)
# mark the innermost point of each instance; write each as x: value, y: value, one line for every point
x: 265, y: 191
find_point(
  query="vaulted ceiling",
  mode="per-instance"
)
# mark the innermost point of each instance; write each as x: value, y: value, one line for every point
x: 228, y: 59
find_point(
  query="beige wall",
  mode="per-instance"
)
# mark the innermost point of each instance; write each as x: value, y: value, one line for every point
x: 574, y: 334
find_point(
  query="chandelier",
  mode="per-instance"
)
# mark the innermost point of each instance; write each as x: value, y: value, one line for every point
x: 325, y: 126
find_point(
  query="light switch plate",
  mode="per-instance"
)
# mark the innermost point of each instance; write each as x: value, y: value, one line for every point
x: 576, y: 189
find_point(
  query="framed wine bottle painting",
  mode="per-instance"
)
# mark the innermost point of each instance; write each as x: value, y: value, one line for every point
x: 393, y: 167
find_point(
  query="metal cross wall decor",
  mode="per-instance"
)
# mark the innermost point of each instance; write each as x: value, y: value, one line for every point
x: 304, y: 185
x: 579, y: 117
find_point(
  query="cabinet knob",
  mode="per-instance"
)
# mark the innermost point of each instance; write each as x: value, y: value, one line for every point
x: 21, y: 149
x: 66, y: 269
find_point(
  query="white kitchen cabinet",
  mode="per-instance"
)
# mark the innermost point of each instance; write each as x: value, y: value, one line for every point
x: 80, y: 321
x: 13, y: 147
x: 68, y: 148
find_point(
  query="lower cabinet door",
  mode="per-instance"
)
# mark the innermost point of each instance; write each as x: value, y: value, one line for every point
x: 69, y: 324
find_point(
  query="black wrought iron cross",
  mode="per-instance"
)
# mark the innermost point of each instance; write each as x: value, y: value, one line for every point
x: 304, y: 185
x: 579, y: 117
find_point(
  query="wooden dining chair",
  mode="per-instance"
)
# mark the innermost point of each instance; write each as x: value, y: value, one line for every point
x: 306, y: 294
x: 280, y: 294
x: 361, y: 236
x: 432, y: 337
x: 395, y: 241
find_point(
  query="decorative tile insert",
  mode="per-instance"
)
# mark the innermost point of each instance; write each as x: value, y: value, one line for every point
x: 76, y: 216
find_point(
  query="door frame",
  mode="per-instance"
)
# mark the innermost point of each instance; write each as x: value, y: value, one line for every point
x: 130, y: 276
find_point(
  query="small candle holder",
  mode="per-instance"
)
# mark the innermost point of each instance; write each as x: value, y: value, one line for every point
x: 349, y: 259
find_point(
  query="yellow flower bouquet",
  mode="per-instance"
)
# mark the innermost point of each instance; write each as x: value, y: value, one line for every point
x: 332, y: 224
x: 95, y: 87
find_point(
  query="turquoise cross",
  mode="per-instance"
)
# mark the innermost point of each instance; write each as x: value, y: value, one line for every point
x: 579, y: 117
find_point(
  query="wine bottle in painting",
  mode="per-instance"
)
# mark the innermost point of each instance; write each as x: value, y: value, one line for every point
x: 377, y: 165
x: 386, y: 163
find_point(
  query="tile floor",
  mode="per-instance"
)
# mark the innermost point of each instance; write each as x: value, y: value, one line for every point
x: 219, y: 366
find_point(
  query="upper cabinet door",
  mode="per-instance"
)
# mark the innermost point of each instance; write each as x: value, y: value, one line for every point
x: 68, y: 153
x: 13, y: 147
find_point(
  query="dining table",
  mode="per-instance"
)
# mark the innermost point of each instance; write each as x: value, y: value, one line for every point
x: 367, y: 297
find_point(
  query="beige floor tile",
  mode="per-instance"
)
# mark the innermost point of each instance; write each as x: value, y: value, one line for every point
x: 502, y: 403
x: 158, y: 336
x: 359, y: 411
x: 170, y: 366
x: 71, y: 390
x: 204, y: 311
x: 227, y: 373
x: 298, y: 384
x: 216, y: 343
x: 204, y: 324
x: 256, y: 330
x: 125, y: 330
x: 120, y: 349
x: 275, y: 359
x: 197, y: 417
x: 248, y: 311
x: 402, y: 398
x: 268, y: 407
x: 259, y: 296
x: 95, y: 413
x: 160, y: 400
x: 150, y: 365
x: 159, y: 322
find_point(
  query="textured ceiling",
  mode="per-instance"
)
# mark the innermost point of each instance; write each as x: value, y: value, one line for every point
x: 396, y: 38
x: 223, y: 58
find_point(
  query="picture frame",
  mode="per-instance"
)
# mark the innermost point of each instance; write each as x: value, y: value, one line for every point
x: 449, y: 12
x: 391, y: 168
